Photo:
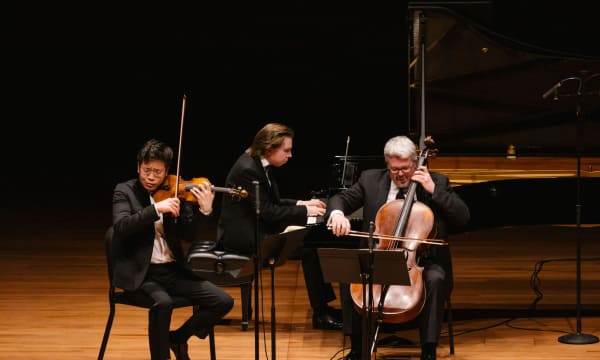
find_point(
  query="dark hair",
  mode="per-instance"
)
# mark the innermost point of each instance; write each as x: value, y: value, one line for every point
x: 270, y: 137
x: 155, y: 150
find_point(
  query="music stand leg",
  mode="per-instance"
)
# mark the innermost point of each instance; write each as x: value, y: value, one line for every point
x: 365, y: 321
x: 273, y: 322
x: 256, y: 309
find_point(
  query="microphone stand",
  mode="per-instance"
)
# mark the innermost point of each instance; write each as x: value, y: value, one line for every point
x: 367, y: 309
x: 257, y: 258
x: 577, y: 338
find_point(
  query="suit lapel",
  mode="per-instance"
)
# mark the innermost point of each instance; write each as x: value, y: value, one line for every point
x: 272, y: 187
x: 383, y: 188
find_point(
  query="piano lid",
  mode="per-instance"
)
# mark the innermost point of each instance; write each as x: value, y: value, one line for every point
x: 483, y: 89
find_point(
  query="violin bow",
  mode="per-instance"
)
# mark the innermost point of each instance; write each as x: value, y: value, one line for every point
x: 180, y: 141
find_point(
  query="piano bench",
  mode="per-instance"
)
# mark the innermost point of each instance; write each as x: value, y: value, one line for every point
x: 222, y: 269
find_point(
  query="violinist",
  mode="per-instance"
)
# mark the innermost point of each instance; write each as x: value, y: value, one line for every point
x: 375, y: 188
x: 150, y: 258
x: 272, y: 148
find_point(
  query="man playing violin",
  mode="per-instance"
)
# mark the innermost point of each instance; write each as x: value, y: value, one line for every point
x: 150, y: 258
x: 375, y: 188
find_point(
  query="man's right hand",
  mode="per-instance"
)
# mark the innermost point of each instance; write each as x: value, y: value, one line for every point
x: 168, y: 205
x: 339, y: 224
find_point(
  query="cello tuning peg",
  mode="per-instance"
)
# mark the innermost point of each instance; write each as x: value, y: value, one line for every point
x: 428, y: 141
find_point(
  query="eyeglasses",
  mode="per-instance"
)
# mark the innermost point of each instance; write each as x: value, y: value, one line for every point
x: 156, y: 172
x: 405, y: 170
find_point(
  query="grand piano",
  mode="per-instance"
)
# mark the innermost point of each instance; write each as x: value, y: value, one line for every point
x: 517, y: 125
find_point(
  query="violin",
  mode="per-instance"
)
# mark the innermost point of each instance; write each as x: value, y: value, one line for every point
x: 168, y: 189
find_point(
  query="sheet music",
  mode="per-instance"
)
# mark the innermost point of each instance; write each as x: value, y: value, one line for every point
x: 292, y: 228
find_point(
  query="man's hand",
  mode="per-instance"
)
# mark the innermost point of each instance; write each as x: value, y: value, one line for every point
x: 339, y: 224
x: 204, y: 195
x: 168, y: 205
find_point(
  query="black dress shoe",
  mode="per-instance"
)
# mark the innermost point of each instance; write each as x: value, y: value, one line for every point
x: 336, y: 313
x: 202, y: 333
x: 326, y: 321
x: 353, y: 355
x: 180, y: 351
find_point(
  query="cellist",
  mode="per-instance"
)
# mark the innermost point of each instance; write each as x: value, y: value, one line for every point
x: 376, y: 187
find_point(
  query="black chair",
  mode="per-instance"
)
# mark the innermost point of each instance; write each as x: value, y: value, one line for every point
x: 137, y: 299
x: 222, y: 269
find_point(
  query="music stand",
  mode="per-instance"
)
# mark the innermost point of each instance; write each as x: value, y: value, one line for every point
x: 366, y: 267
x: 275, y: 250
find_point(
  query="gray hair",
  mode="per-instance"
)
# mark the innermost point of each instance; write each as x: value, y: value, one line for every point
x: 400, y: 146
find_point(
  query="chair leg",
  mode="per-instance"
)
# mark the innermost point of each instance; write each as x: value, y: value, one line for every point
x: 111, y: 316
x: 211, y: 336
x: 211, y: 339
x: 246, y: 292
x: 450, y: 326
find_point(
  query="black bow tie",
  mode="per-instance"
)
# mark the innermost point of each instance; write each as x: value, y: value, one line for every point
x: 400, y: 194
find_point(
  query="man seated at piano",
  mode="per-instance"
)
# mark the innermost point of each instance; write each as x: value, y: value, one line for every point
x: 272, y: 147
x: 375, y: 188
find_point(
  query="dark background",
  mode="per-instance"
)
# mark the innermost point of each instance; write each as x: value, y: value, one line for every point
x: 85, y: 86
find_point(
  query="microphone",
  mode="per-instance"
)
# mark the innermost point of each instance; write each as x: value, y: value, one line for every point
x: 552, y: 90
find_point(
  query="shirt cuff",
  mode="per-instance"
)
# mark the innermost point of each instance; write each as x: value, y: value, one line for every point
x: 207, y: 213
x: 333, y: 212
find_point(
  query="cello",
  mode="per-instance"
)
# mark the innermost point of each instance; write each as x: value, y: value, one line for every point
x: 402, y: 225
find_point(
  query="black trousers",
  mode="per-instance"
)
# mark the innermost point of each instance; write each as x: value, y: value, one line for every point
x: 319, y: 291
x: 172, y: 279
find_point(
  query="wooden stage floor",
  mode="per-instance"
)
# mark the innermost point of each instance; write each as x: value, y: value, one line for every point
x: 53, y: 301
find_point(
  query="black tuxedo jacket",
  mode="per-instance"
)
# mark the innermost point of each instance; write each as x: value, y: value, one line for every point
x: 133, y: 233
x: 236, y: 230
